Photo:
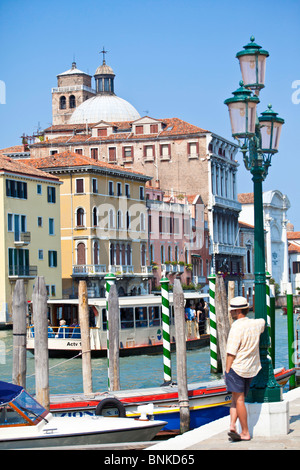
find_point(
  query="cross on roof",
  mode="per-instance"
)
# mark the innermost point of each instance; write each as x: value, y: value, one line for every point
x: 103, y: 52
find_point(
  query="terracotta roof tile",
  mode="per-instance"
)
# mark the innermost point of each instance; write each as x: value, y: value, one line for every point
x: 22, y: 168
x: 244, y: 225
x: 246, y: 198
x: 172, y: 127
x: 13, y: 149
x: 293, y: 235
x: 70, y: 159
x: 294, y: 248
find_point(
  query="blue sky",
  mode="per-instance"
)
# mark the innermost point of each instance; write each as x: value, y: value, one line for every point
x: 171, y: 58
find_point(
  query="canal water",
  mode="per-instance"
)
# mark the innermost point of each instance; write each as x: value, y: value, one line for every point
x: 65, y: 376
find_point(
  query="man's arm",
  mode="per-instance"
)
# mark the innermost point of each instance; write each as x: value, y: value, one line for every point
x: 229, y: 360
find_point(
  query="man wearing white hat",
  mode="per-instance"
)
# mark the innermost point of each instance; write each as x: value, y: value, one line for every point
x: 242, y: 363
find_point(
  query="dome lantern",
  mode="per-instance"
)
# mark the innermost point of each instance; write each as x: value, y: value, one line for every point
x: 104, y: 78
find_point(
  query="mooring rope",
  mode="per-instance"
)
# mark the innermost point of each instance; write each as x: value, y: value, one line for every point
x: 56, y: 365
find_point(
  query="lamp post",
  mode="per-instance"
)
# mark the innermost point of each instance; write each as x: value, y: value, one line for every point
x: 260, y: 139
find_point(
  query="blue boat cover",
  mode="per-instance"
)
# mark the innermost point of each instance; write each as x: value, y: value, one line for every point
x: 8, y: 392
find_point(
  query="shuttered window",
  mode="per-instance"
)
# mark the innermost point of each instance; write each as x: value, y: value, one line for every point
x: 139, y: 129
x: 112, y: 155
x: 102, y: 132
x: 79, y: 185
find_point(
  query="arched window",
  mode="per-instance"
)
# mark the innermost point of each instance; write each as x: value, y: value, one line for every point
x: 123, y: 253
x: 119, y: 219
x: 176, y: 254
x: 118, y: 254
x: 127, y: 220
x: 95, y: 216
x: 111, y: 218
x: 151, y: 253
x: 62, y: 102
x: 96, y: 253
x: 72, y: 101
x: 143, y: 255
x: 81, y: 253
x: 128, y: 255
x: 162, y: 254
x: 170, y: 253
x: 80, y: 217
x: 112, y: 254
x: 249, y: 260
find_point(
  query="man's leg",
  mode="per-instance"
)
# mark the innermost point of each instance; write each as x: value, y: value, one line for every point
x: 233, y: 413
x: 240, y: 412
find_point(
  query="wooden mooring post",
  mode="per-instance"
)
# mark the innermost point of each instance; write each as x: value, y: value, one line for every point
x: 114, y: 341
x: 39, y: 305
x: 231, y: 289
x: 19, y: 307
x: 83, y: 311
x: 178, y: 300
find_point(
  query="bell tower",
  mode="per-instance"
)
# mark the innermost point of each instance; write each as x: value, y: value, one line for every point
x: 73, y: 88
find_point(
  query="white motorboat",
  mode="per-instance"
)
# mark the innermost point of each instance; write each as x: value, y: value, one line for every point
x: 25, y: 424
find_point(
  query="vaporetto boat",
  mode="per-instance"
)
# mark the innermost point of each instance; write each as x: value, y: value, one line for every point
x: 140, y: 326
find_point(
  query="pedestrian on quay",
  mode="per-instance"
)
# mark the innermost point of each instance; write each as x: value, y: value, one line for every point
x: 242, y: 363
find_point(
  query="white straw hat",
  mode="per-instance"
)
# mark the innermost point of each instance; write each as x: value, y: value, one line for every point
x: 238, y: 302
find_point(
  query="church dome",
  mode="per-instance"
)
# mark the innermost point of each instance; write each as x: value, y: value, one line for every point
x: 104, y: 107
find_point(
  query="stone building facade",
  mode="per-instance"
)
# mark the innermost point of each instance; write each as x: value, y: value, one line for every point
x: 179, y: 156
x: 103, y: 224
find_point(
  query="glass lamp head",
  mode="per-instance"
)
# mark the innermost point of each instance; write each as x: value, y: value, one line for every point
x: 253, y: 65
x: 242, y: 112
x: 270, y: 128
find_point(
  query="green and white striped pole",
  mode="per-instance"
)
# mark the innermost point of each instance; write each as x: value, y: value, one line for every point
x: 268, y: 305
x: 213, y: 324
x: 272, y: 315
x: 109, y: 280
x: 166, y: 329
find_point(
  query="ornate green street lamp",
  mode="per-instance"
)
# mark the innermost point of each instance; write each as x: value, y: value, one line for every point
x: 260, y: 140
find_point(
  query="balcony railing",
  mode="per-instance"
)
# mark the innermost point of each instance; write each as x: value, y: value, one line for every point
x: 199, y: 280
x: 22, y: 271
x: 121, y: 269
x: 172, y: 268
x: 225, y: 202
x: 89, y: 269
x: 22, y: 238
x: 146, y: 269
x: 222, y: 248
x: 101, y: 270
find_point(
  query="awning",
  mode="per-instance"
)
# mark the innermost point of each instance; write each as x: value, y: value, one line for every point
x: 8, y: 392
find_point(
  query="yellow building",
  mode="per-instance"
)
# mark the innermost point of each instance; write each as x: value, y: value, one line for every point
x: 29, y: 231
x: 103, y: 224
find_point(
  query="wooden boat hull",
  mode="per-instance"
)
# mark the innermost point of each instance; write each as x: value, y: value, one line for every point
x: 208, y: 401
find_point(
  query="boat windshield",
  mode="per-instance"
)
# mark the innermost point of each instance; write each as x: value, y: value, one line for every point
x: 24, y: 409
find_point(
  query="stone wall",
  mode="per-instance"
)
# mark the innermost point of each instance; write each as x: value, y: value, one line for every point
x: 281, y: 301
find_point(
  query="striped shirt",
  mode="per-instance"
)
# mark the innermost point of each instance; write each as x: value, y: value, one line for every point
x: 243, y: 343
